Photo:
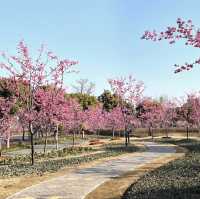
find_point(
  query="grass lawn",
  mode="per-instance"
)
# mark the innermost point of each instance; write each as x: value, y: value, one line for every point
x: 179, y: 179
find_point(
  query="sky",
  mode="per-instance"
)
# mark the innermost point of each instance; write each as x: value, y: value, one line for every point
x: 104, y: 36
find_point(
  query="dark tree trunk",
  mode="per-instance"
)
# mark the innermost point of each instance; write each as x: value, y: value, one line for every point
x: 83, y: 134
x: 8, y: 143
x: 128, y: 133
x: 32, y: 143
x: 187, y: 129
x: 126, y: 140
x: 23, y: 136
x: 126, y: 137
x: 150, y: 131
x: 167, y: 132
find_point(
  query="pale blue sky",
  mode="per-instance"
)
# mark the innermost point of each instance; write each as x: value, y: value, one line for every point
x: 104, y: 36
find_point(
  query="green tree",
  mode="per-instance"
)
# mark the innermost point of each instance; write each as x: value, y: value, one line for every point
x: 8, y: 91
x: 85, y: 100
x: 108, y: 100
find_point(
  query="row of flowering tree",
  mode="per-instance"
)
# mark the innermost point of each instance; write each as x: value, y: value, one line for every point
x: 35, y: 97
x: 183, y: 30
x: 147, y: 113
x: 52, y: 108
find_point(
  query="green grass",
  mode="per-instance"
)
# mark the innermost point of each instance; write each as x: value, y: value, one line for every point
x: 179, y: 179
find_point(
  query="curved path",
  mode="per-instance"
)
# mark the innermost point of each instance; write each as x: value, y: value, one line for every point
x: 78, y: 184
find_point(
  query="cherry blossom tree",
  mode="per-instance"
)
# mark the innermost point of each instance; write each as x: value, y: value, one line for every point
x: 72, y: 116
x: 183, y: 30
x: 96, y: 119
x: 113, y: 120
x: 129, y: 92
x: 153, y: 114
x: 49, y: 103
x: 194, y: 100
x: 168, y: 114
x: 47, y: 68
x: 189, y: 112
x: 185, y: 113
x: 6, y: 120
x: 22, y: 122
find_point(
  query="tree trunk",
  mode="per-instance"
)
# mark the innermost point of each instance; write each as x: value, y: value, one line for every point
x: 57, y: 137
x: 187, y: 129
x: 73, y: 138
x: 37, y: 135
x: 0, y: 147
x: 128, y: 137
x: 198, y: 128
x: 32, y: 143
x: 113, y: 132
x: 98, y: 133
x: 23, y: 136
x: 152, y: 133
x: 8, y: 143
x: 83, y: 134
x: 166, y: 130
x: 45, y: 143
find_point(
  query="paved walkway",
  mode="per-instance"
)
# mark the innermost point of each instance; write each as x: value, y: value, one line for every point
x: 78, y: 184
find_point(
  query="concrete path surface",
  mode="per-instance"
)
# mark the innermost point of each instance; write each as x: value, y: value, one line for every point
x: 77, y: 184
